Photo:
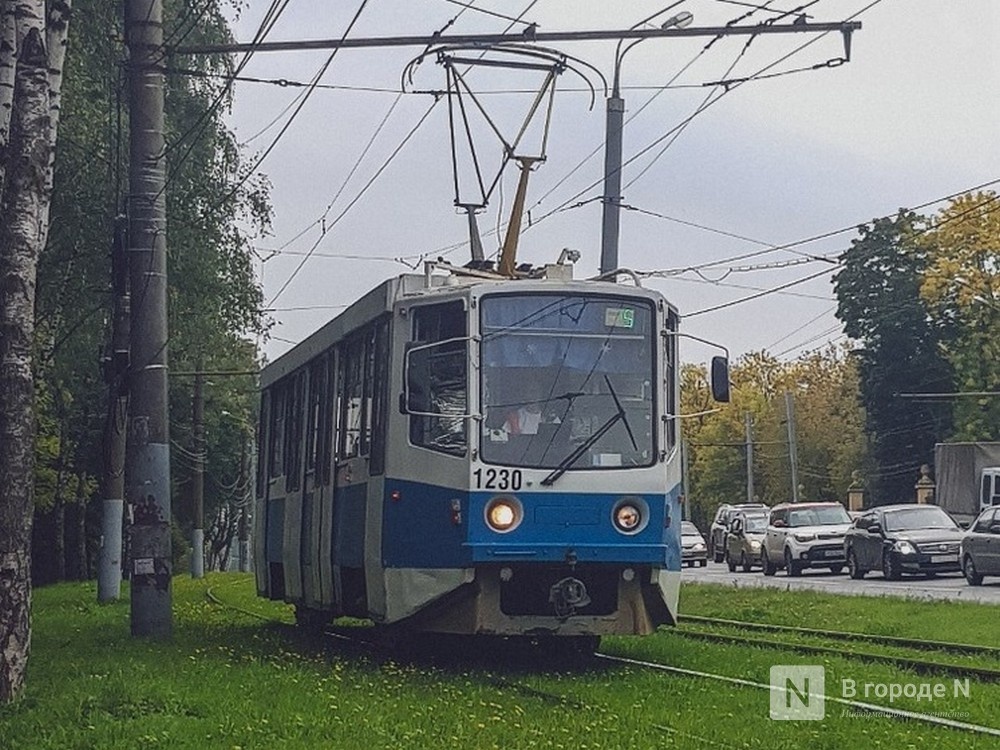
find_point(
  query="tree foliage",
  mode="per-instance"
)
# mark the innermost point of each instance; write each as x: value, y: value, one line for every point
x: 879, y: 302
x: 214, y: 208
x: 829, y: 431
x: 961, y: 288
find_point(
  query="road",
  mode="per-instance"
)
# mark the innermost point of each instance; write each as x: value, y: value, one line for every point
x: 950, y: 586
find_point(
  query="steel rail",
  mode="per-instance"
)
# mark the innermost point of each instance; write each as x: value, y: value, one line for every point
x: 895, y: 713
x: 846, y: 635
x: 919, y: 666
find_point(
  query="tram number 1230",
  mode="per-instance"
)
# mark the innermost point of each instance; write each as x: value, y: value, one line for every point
x: 497, y: 479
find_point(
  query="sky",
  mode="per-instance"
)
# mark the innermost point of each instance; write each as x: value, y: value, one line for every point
x: 356, y: 184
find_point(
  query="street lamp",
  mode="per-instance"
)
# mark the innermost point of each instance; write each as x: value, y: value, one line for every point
x: 612, y: 198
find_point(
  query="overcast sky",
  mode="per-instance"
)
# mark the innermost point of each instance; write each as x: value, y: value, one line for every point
x: 911, y: 118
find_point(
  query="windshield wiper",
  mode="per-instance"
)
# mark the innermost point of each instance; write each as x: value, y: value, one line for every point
x: 573, y: 457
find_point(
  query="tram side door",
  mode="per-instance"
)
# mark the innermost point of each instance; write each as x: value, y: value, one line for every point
x: 351, y: 470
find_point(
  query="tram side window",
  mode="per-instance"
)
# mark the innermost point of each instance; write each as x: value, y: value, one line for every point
x: 276, y: 435
x: 316, y: 417
x: 328, y: 414
x: 352, y: 417
x: 369, y: 389
x: 379, y: 400
x: 438, y: 380
x: 670, y: 379
x: 262, y: 442
x: 362, y: 383
x: 295, y: 408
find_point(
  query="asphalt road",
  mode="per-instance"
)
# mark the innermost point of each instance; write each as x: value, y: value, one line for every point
x: 948, y: 586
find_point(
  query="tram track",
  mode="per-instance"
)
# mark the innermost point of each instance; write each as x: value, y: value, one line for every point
x: 920, y: 666
x: 888, y: 711
x: 349, y: 636
x: 844, y: 635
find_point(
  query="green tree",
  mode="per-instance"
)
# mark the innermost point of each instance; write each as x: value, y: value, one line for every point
x: 961, y: 287
x: 829, y: 420
x: 213, y: 211
x: 32, y: 50
x: 879, y: 302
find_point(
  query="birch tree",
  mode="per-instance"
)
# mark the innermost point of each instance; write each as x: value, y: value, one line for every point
x: 33, y: 63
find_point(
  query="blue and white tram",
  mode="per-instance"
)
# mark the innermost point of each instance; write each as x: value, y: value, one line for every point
x: 472, y: 454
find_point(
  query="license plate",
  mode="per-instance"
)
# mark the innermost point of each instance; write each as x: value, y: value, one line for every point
x: 833, y: 553
x: 944, y: 558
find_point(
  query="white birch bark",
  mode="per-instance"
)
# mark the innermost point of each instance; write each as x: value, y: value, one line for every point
x: 8, y: 50
x: 24, y: 202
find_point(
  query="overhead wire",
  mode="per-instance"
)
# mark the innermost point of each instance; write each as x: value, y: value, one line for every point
x: 309, y: 91
x: 203, y: 121
x: 728, y: 87
x: 371, y: 181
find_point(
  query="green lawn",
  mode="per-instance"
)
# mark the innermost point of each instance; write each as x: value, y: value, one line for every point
x: 230, y: 680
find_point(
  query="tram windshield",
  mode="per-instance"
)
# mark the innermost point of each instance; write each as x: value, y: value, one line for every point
x: 567, y: 381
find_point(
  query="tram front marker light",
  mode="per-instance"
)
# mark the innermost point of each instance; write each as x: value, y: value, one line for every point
x: 503, y: 514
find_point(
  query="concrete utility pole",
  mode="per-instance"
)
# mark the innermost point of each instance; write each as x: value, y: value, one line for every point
x: 109, y: 563
x: 615, y: 121
x: 198, y: 477
x: 674, y: 26
x: 793, y: 449
x: 147, y: 458
x: 749, y: 440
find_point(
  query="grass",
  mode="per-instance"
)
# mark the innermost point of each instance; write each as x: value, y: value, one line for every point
x: 956, y: 622
x: 231, y: 680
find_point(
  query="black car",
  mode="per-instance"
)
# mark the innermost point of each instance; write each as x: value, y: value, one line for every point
x: 899, y: 539
x: 981, y: 547
x: 720, y: 527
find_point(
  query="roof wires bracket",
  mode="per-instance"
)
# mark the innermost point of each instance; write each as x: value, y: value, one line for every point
x: 465, y: 107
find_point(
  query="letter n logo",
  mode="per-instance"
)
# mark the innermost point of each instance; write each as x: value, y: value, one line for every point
x: 798, y: 692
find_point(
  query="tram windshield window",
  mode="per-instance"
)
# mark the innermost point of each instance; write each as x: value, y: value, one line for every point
x: 557, y: 370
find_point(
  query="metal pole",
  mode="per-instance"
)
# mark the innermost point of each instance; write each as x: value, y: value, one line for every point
x: 749, y: 433
x: 612, y: 198
x: 793, y: 451
x: 198, y: 479
x: 147, y: 457
x: 539, y: 37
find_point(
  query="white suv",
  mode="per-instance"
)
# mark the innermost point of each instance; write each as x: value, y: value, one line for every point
x: 805, y: 535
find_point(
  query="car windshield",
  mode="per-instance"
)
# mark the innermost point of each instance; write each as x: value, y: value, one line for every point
x: 918, y: 518
x: 823, y: 515
x: 689, y: 529
x: 567, y: 381
x: 756, y: 523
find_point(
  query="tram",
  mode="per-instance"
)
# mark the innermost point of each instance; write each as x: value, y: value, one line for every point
x: 460, y: 452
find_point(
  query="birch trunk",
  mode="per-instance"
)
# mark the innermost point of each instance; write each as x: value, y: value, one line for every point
x: 8, y: 48
x: 24, y: 200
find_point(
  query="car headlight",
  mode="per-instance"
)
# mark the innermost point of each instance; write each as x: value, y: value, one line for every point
x: 503, y: 514
x: 804, y: 537
x: 699, y: 546
x: 754, y: 545
x: 905, y: 548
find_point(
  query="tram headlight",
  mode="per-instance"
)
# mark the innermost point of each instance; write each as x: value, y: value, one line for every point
x: 503, y: 514
x: 630, y: 515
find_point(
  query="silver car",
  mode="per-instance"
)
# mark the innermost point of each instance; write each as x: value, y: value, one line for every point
x: 693, y: 547
x: 980, y: 548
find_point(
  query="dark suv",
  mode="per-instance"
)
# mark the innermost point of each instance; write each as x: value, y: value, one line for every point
x: 899, y: 539
x: 720, y: 527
